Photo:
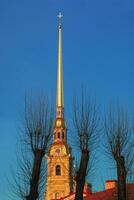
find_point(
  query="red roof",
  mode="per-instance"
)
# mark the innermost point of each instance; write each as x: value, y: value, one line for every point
x: 107, y: 181
x: 111, y: 194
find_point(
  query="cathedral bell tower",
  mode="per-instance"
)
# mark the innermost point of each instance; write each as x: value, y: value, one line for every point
x: 59, y: 180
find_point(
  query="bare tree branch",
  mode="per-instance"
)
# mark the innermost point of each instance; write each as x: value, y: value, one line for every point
x: 85, y: 122
x: 118, y: 130
x: 28, y: 182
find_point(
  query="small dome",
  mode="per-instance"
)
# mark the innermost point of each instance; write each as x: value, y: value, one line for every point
x: 60, y: 123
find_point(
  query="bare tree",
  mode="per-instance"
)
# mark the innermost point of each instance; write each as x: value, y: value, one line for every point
x: 118, y: 130
x: 35, y: 138
x: 85, y: 121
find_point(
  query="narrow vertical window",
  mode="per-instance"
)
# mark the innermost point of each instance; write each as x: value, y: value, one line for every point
x: 63, y: 135
x: 58, y: 170
x: 58, y: 135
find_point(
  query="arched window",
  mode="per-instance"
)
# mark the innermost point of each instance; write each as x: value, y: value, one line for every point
x: 57, y: 195
x: 58, y: 170
x: 63, y: 135
x: 58, y: 135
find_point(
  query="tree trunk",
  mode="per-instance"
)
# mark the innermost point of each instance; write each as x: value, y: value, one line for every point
x: 80, y: 178
x: 121, y: 173
x: 33, y: 194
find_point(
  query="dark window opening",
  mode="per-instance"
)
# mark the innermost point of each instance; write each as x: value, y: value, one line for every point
x: 56, y: 195
x: 63, y: 135
x: 58, y: 134
x: 58, y: 170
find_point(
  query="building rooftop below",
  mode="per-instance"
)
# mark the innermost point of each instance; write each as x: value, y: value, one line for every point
x: 107, y: 194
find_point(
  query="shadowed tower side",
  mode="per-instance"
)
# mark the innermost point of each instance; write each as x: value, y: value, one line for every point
x: 59, y: 180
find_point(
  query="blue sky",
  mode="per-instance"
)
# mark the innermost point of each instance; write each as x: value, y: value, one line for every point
x: 98, y: 49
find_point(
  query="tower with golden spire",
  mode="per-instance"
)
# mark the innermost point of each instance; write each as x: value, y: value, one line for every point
x: 59, y: 180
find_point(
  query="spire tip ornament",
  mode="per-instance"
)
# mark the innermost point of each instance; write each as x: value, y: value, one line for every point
x: 60, y: 17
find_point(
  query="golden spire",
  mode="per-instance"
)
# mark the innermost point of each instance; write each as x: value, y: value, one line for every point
x: 60, y: 102
x: 60, y: 124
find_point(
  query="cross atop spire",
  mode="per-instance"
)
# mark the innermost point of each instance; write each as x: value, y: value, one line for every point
x: 60, y: 17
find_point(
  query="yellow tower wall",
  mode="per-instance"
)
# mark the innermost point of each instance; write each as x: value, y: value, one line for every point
x: 58, y: 186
